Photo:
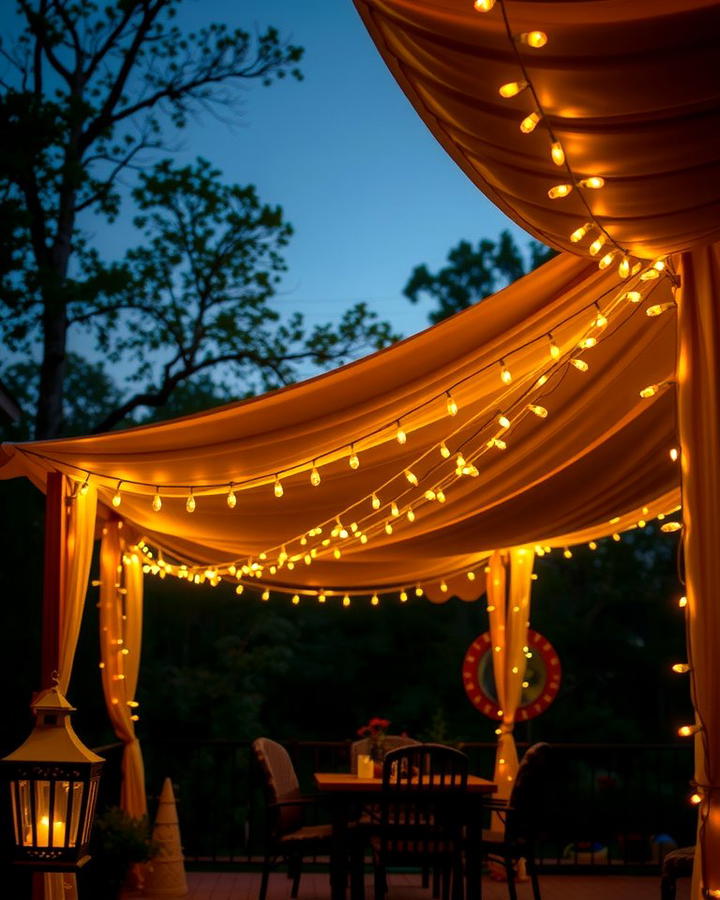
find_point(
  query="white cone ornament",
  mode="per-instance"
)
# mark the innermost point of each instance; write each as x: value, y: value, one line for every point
x: 166, y: 870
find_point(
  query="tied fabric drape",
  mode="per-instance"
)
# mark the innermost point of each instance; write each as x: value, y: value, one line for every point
x: 508, y: 612
x: 121, y: 598
x: 698, y: 376
x: 80, y: 535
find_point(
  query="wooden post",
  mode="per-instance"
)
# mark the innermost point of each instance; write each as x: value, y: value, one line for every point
x: 53, y: 577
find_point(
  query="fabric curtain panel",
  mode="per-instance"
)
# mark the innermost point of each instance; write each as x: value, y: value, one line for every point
x: 699, y: 403
x: 121, y: 600
x: 508, y: 595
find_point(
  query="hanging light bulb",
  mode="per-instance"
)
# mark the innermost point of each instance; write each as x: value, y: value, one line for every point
x: 388, y: 528
x: 594, y: 182
x: 314, y: 475
x: 682, y: 602
x: 607, y: 259
x: 430, y: 494
x: 674, y: 454
x: 658, y: 309
x: 296, y: 599
x: 633, y: 296
x: 669, y: 527
x: 354, y: 459
x: 483, y: 5
x: 375, y: 501
x: 559, y: 190
x: 688, y: 730
x: 374, y: 600
x: 659, y: 264
x: 505, y: 374
x: 534, y: 39
x: 541, y: 381
x: 579, y: 364
x: 649, y: 391
x: 321, y: 598
x: 440, y: 494
x: 567, y: 553
x: 503, y: 421
x: 117, y: 499
x: 157, y: 501
x: 411, y: 477
x: 592, y: 545
x: 418, y: 591
x: 394, y: 509
x: 539, y: 411
x: 649, y: 274
x: 444, y: 450
x: 190, y: 502
x: 681, y: 668
x: 452, y: 406
x: 529, y: 123
x: 600, y: 320
x: 400, y: 435
x: 554, y: 349
x: 231, y: 499
x: 597, y: 245
x: 512, y: 88
x: 557, y: 154
x: 695, y: 799
x: 410, y: 515
x: 587, y: 343
x: 624, y: 267
x: 403, y: 596
x: 346, y: 600
x: 580, y: 232
x: 277, y: 487
x: 265, y: 595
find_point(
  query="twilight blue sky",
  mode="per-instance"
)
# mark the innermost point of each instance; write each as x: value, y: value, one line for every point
x: 367, y: 188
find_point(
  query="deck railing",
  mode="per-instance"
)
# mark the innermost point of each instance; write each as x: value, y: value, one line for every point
x: 613, y: 805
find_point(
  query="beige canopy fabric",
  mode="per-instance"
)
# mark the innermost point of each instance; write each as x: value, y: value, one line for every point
x: 585, y: 454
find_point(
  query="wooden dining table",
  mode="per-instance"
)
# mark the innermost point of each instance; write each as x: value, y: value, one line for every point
x: 346, y: 791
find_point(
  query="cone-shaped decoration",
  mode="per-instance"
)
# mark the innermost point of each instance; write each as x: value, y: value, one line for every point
x: 166, y: 870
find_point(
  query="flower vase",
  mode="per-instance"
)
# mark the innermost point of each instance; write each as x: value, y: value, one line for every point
x: 377, y: 754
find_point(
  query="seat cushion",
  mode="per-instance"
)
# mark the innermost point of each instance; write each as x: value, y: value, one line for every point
x: 307, y: 833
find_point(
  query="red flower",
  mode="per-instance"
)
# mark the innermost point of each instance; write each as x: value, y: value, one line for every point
x: 374, y: 727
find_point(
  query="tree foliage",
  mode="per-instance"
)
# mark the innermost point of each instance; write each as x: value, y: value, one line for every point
x: 472, y: 273
x: 91, y: 93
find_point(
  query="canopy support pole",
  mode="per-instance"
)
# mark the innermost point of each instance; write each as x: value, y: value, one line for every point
x: 53, y: 577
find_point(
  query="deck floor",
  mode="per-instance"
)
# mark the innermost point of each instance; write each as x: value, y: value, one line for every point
x: 314, y: 886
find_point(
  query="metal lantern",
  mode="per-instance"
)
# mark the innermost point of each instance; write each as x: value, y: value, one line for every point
x: 53, y: 781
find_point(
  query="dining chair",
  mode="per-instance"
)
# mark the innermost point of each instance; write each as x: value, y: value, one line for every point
x: 287, y: 837
x: 522, y: 817
x: 422, y: 803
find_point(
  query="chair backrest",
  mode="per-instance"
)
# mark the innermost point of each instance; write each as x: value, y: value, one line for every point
x: 281, y: 782
x: 423, y: 795
x: 529, y: 792
x: 390, y: 742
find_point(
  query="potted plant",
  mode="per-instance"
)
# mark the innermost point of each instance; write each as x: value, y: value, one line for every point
x: 119, y: 841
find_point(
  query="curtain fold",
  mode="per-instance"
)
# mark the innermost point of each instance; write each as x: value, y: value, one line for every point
x: 121, y: 599
x: 508, y: 612
x: 698, y: 376
x: 80, y: 536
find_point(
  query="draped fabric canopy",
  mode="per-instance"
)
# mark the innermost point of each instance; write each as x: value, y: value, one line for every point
x: 600, y: 453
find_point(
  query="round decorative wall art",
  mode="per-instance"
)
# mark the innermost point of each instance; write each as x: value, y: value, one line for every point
x: 541, y: 681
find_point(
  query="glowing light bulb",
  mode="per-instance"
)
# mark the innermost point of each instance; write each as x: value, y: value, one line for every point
x: 607, y: 259
x: 400, y: 435
x: 410, y: 515
x: 669, y: 527
x: 374, y: 600
x: 346, y: 600
x: 503, y: 421
x: 117, y: 499
x: 557, y: 154
x: 541, y: 381
x: 681, y: 668
x: 337, y: 553
x: 277, y: 487
x: 559, y: 190
x: 649, y: 391
x: 375, y: 501
x: 471, y: 576
x: 321, y: 598
x: 512, y: 88
x: 411, y: 477
x: 403, y: 596
x: 231, y: 499
x: 592, y: 545
x: 296, y: 599
x: 649, y: 275
x: 633, y: 296
x: 505, y: 374
x: 567, y: 553
x: 388, y: 528
x: 239, y: 589
x: 265, y: 596
x: 529, y: 123
x: 580, y: 232
x: 539, y: 411
x: 597, y: 245
x: 554, y: 349
x: 190, y: 502
x: 483, y: 5
x: 315, y: 476
x: 587, y: 343
x: 674, y: 454
x: 624, y: 267
x: 695, y: 799
x: 600, y: 320
x: 659, y: 264
x: 593, y: 182
x: 452, y: 406
x: 418, y: 591
x: 444, y: 450
x: 394, y: 510
x: 579, y: 364
x: 658, y: 309
x: 534, y: 39
x: 460, y: 461
x: 682, y: 602
x: 687, y: 730
x: 440, y: 494
x: 616, y: 537
x: 354, y: 459
x: 497, y: 442
x: 430, y: 494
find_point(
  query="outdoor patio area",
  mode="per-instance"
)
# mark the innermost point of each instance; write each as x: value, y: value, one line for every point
x: 314, y: 886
